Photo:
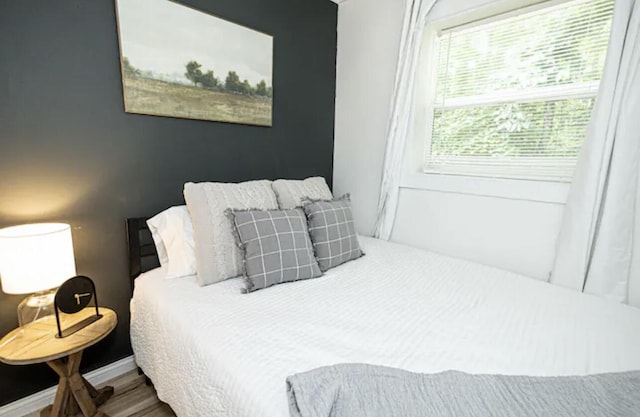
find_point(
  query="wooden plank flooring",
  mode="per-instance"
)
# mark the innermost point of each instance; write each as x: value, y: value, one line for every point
x: 132, y: 398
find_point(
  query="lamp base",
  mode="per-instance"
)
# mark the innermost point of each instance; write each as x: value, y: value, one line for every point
x: 36, y: 306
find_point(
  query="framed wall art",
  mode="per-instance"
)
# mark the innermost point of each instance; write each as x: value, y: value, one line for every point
x: 177, y: 61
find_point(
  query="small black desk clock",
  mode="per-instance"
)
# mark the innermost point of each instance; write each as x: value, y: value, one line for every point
x: 74, y: 295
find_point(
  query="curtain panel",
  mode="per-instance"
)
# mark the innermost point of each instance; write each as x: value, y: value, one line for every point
x: 401, y: 117
x: 595, y: 246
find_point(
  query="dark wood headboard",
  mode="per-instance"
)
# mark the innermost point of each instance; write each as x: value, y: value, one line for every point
x: 143, y: 256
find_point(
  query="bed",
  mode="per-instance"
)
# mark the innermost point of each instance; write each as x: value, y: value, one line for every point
x: 213, y: 351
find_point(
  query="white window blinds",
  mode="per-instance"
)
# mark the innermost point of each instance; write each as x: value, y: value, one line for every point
x: 514, y: 92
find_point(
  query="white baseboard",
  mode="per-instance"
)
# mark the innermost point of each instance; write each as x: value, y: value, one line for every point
x: 41, y: 399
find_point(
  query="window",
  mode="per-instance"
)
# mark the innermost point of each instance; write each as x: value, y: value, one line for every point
x: 512, y: 95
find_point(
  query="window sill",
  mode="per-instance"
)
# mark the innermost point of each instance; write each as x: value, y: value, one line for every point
x: 538, y: 191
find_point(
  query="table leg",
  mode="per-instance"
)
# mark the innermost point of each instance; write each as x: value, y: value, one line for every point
x: 74, y: 392
x: 100, y: 396
x: 62, y: 398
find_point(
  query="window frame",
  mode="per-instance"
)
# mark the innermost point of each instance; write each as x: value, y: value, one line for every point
x: 414, y: 174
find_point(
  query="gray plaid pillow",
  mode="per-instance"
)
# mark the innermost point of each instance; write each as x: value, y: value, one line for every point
x: 332, y: 232
x: 276, y: 246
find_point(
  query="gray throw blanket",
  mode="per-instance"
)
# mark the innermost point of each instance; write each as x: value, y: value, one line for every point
x: 358, y: 390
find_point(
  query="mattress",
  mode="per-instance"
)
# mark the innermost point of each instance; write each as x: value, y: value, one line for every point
x: 215, y: 352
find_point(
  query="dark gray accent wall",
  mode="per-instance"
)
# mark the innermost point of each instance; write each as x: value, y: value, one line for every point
x: 69, y: 152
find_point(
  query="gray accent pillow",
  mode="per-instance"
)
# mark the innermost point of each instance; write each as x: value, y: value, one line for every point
x: 332, y: 232
x: 276, y: 246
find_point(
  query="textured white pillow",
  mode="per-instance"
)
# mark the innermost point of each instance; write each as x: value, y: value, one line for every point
x: 174, y: 230
x: 291, y: 192
x: 217, y: 255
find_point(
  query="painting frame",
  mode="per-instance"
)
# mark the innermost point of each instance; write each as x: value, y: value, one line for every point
x: 223, y: 100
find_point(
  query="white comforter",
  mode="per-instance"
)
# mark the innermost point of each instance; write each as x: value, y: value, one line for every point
x: 213, y: 351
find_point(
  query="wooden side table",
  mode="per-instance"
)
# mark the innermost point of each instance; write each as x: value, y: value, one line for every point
x: 36, y: 343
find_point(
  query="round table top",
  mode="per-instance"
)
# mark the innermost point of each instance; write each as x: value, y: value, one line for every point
x: 36, y: 342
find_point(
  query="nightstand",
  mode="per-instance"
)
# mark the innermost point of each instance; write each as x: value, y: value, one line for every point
x: 36, y: 342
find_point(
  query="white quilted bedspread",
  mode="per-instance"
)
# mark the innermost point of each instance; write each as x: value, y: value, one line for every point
x: 215, y: 352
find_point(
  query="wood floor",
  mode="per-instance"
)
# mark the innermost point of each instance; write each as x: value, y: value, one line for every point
x: 132, y: 398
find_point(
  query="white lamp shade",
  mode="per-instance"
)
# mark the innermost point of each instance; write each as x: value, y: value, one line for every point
x: 35, y: 257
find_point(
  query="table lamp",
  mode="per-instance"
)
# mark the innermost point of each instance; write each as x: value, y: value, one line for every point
x: 35, y: 259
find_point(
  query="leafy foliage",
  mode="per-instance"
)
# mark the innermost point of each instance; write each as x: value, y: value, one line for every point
x: 507, y: 130
x: 129, y: 69
x: 194, y: 73
x: 549, y: 50
x: 232, y: 83
x: 261, y: 89
x: 208, y: 80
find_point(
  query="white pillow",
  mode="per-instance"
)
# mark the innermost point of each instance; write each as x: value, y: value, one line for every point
x: 217, y: 255
x: 172, y: 232
x: 291, y: 192
x: 163, y: 257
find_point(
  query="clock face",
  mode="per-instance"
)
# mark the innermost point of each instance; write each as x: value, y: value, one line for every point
x: 75, y: 294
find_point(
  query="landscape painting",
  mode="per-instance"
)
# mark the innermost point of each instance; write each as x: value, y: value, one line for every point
x: 180, y: 62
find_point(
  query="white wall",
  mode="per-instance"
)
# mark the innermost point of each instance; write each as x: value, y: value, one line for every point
x: 368, y: 41
x: 517, y: 235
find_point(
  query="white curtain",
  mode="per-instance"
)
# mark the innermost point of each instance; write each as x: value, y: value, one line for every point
x: 401, y: 118
x: 595, y: 247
